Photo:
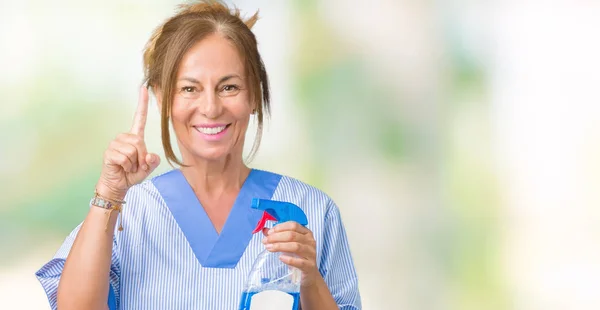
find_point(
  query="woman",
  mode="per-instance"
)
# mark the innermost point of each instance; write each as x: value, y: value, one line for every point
x: 187, y: 241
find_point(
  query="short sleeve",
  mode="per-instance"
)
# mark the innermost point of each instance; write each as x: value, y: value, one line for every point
x: 49, y: 274
x: 336, y: 265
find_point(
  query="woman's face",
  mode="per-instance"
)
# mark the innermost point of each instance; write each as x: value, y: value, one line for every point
x: 211, y: 106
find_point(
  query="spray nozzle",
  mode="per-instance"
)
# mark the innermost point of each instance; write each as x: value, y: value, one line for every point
x: 278, y: 211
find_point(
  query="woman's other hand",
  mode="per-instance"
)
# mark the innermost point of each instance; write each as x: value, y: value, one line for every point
x: 291, y: 237
x: 126, y: 161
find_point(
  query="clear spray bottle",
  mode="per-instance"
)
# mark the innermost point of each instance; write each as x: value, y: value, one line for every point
x: 271, y: 284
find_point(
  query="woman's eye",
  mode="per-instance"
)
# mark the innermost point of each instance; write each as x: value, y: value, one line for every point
x: 230, y: 88
x: 188, y: 89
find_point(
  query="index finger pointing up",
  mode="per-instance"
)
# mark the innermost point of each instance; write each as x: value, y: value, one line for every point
x: 139, y: 120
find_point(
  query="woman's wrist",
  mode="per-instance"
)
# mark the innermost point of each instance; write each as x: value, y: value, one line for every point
x: 108, y: 193
x: 317, y: 296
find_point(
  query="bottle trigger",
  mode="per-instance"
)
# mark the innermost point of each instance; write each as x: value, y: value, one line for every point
x: 261, y: 224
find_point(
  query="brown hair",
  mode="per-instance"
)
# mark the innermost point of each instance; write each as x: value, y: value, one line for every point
x: 170, y: 41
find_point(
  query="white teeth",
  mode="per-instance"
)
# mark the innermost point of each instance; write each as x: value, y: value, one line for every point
x: 210, y: 130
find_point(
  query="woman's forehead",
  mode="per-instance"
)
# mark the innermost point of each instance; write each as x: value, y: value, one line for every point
x: 211, y: 57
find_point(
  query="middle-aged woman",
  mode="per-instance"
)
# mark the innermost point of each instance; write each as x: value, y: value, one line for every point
x: 186, y: 240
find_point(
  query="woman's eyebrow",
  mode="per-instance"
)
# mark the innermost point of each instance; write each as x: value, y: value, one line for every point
x: 189, y: 79
x: 227, y: 77
x: 223, y: 79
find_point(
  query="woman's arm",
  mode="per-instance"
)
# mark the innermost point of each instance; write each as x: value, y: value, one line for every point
x: 330, y: 284
x: 84, y: 282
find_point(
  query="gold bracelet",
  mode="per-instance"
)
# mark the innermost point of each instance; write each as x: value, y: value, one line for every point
x: 109, y: 206
x: 114, y: 201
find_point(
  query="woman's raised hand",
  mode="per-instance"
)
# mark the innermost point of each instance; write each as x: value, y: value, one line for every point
x: 126, y: 161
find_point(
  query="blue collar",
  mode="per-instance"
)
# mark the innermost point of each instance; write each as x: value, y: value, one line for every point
x: 212, y: 249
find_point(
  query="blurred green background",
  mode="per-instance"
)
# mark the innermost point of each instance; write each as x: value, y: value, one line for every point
x: 460, y: 139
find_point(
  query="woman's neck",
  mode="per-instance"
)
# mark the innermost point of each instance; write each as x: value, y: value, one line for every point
x: 213, y: 178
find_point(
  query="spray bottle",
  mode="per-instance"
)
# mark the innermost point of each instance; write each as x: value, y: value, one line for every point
x: 271, y: 284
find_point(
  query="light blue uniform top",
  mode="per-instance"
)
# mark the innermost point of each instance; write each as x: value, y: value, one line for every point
x: 169, y: 256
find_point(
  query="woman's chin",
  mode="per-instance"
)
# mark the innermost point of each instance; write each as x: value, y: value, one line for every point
x: 212, y: 154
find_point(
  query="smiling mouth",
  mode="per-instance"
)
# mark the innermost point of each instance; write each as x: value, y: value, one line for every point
x: 212, y: 130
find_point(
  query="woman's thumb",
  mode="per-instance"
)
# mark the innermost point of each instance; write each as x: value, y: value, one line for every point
x: 153, y: 161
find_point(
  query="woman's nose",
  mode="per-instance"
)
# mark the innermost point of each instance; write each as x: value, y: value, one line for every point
x: 211, y: 106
